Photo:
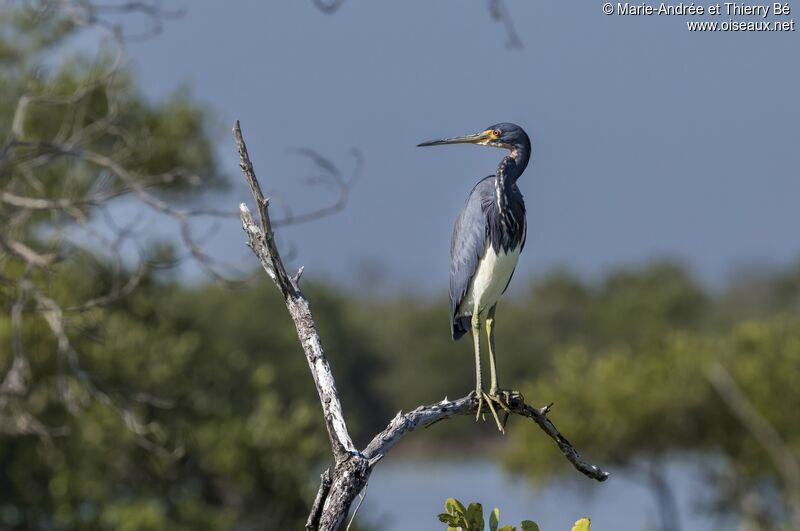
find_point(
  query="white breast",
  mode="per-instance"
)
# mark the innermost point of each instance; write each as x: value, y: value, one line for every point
x: 491, y: 278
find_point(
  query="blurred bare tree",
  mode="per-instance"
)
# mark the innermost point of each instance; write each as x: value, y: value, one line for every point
x: 498, y: 11
x: 82, y: 149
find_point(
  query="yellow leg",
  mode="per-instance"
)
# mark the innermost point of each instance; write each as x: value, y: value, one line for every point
x: 482, y: 396
x: 476, y: 339
x: 494, y: 389
x: 492, y: 363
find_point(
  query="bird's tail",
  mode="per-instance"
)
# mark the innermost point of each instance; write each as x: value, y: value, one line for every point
x: 460, y: 326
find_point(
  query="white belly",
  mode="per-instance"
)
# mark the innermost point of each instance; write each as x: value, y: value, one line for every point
x: 491, y: 278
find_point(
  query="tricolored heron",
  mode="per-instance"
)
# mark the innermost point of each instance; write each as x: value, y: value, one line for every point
x: 487, y: 239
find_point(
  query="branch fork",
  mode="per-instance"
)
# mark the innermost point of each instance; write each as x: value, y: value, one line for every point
x: 340, y: 485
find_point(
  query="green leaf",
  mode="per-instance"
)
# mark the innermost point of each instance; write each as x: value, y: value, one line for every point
x: 582, y: 525
x: 528, y: 525
x: 450, y: 505
x: 494, y: 519
x: 475, y: 517
x: 507, y: 528
x: 453, y: 506
x: 447, y: 518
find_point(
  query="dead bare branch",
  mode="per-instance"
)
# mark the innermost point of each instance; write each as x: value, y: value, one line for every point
x: 499, y: 11
x: 322, y: 495
x: 328, y: 6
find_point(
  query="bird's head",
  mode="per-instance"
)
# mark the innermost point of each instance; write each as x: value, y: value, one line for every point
x: 503, y: 135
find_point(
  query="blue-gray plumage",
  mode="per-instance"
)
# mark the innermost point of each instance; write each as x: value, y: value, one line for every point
x: 488, y: 236
x: 481, y: 224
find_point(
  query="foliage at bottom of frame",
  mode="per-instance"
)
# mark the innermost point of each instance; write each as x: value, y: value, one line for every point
x: 471, y: 518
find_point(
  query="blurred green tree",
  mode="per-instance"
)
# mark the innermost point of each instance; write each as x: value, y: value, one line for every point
x: 635, y: 404
x: 125, y: 401
x: 78, y: 136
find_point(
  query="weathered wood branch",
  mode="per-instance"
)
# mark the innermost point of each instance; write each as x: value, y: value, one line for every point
x: 403, y: 423
x: 262, y: 242
x: 350, y: 474
x: 316, y: 508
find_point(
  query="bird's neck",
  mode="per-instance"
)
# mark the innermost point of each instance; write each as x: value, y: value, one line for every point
x: 511, y: 167
x: 520, y: 155
x: 513, y: 164
x: 508, y: 171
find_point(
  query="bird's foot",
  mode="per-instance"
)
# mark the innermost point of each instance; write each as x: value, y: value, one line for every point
x: 490, y: 401
x: 497, y: 399
x: 504, y: 398
x: 507, y: 397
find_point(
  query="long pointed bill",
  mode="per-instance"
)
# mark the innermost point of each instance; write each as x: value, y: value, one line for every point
x: 478, y: 138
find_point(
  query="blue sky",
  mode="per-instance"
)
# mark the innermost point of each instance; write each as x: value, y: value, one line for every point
x: 649, y: 140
